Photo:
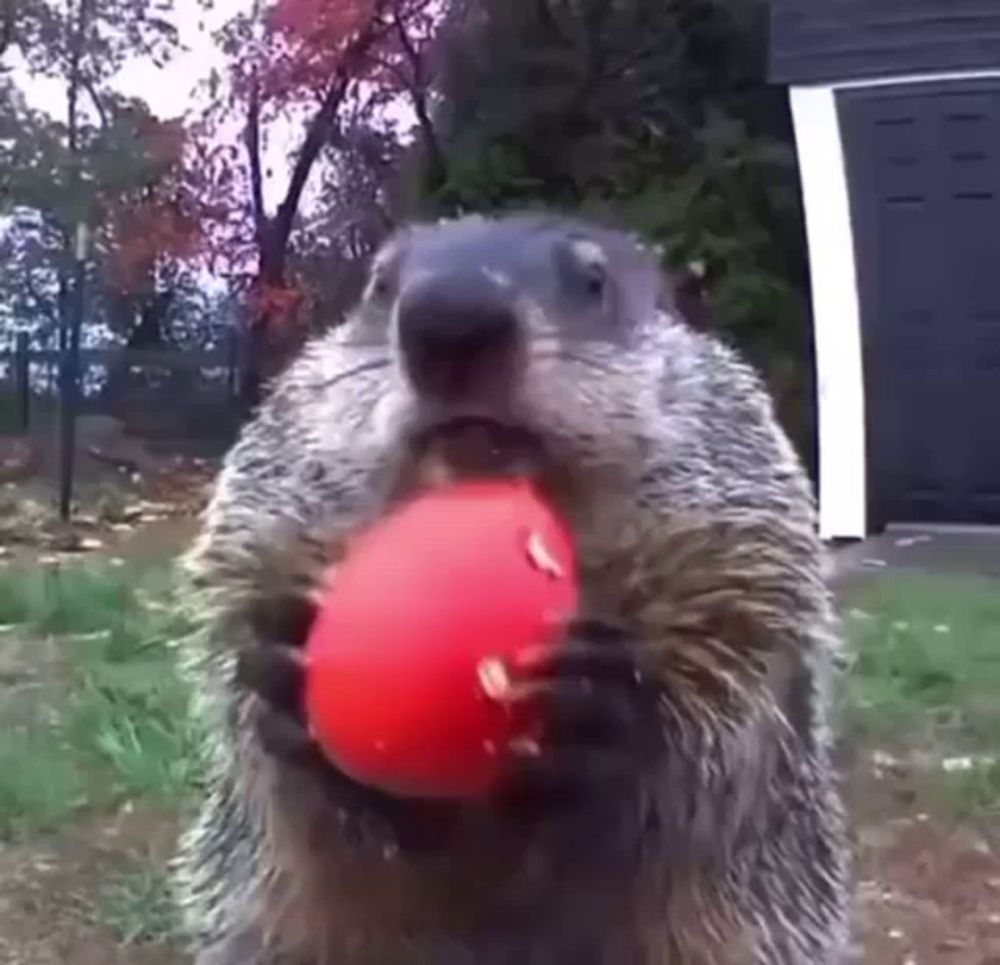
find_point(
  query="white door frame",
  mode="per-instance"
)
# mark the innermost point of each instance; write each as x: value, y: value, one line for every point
x: 836, y: 306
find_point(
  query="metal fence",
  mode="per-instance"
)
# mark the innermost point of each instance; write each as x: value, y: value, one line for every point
x: 178, y: 392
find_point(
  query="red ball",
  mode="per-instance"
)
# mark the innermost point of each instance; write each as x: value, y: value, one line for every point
x: 394, y: 686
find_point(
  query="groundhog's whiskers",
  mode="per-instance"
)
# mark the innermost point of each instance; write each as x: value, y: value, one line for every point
x: 371, y: 365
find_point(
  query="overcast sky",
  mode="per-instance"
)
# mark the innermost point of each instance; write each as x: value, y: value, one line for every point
x: 170, y: 90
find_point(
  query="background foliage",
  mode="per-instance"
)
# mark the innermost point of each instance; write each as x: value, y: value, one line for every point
x: 654, y: 113
x: 657, y: 115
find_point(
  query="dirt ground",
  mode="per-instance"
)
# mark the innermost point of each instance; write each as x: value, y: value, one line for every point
x: 121, y: 505
x: 51, y: 891
x: 927, y: 890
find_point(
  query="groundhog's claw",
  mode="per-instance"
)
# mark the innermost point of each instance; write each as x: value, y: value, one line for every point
x: 600, y: 714
x: 276, y: 674
x: 600, y: 722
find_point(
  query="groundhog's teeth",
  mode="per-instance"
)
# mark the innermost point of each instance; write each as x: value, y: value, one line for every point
x: 541, y: 558
x: 434, y: 471
x: 525, y: 747
x: 493, y: 678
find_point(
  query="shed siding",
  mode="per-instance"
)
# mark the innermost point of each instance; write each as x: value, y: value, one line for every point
x: 822, y: 41
x: 922, y: 163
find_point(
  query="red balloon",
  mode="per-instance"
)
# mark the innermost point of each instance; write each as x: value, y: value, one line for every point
x: 395, y: 677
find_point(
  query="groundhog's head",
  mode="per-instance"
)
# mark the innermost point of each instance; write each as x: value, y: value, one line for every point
x: 519, y: 344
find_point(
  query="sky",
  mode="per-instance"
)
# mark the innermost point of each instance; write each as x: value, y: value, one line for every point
x: 170, y: 90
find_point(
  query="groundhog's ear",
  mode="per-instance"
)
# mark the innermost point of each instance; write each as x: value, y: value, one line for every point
x: 690, y: 296
x: 657, y: 280
x: 666, y: 289
x: 390, y: 249
x: 383, y: 269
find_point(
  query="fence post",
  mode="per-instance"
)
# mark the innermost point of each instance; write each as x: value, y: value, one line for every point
x: 71, y: 377
x: 233, y: 361
x: 22, y: 369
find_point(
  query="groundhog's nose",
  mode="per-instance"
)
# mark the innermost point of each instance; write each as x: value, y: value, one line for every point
x: 458, y: 335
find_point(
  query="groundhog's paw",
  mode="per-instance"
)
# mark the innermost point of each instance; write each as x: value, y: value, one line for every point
x: 600, y: 713
x: 368, y: 819
x: 276, y: 676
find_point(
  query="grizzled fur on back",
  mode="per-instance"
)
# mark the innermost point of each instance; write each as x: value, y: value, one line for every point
x: 695, y: 526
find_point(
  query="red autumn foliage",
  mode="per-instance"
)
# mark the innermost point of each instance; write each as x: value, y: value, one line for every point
x: 159, y: 220
x: 145, y: 233
x: 329, y: 64
x: 308, y: 40
x: 280, y: 303
x: 305, y: 42
x: 218, y: 171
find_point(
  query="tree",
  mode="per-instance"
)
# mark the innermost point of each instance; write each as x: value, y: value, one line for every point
x: 56, y: 172
x: 20, y: 24
x: 137, y: 200
x: 331, y: 69
x: 149, y: 228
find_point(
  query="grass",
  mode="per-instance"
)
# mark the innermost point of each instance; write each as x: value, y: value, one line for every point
x: 925, y: 677
x: 99, y: 712
x: 138, y: 906
x: 40, y: 782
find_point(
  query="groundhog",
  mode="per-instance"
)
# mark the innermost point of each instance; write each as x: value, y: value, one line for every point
x: 682, y: 808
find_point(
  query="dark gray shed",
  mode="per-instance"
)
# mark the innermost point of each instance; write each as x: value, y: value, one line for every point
x: 897, y: 117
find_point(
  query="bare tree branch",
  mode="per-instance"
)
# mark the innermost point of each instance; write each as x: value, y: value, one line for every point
x: 7, y: 24
x: 418, y: 88
x: 252, y: 141
x: 95, y: 99
x: 317, y: 134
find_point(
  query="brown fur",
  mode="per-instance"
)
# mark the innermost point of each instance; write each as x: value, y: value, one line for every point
x: 696, y: 533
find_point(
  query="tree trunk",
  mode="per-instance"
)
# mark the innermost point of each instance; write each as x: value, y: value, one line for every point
x: 259, y: 364
x: 147, y: 334
x: 270, y: 342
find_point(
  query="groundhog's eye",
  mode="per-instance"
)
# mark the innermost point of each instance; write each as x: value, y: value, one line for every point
x: 596, y: 282
x: 378, y: 287
x: 587, y: 267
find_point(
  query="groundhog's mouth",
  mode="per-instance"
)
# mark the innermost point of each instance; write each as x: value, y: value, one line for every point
x: 465, y: 447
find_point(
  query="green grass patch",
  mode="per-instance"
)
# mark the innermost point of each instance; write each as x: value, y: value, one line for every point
x: 82, y: 598
x: 105, y: 716
x: 925, y: 674
x: 972, y: 793
x: 40, y: 781
x: 138, y: 906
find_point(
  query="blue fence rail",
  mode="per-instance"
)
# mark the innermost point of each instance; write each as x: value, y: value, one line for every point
x: 115, y: 376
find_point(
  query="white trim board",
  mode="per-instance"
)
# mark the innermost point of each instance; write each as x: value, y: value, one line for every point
x: 866, y: 82
x: 836, y: 314
x: 843, y: 496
